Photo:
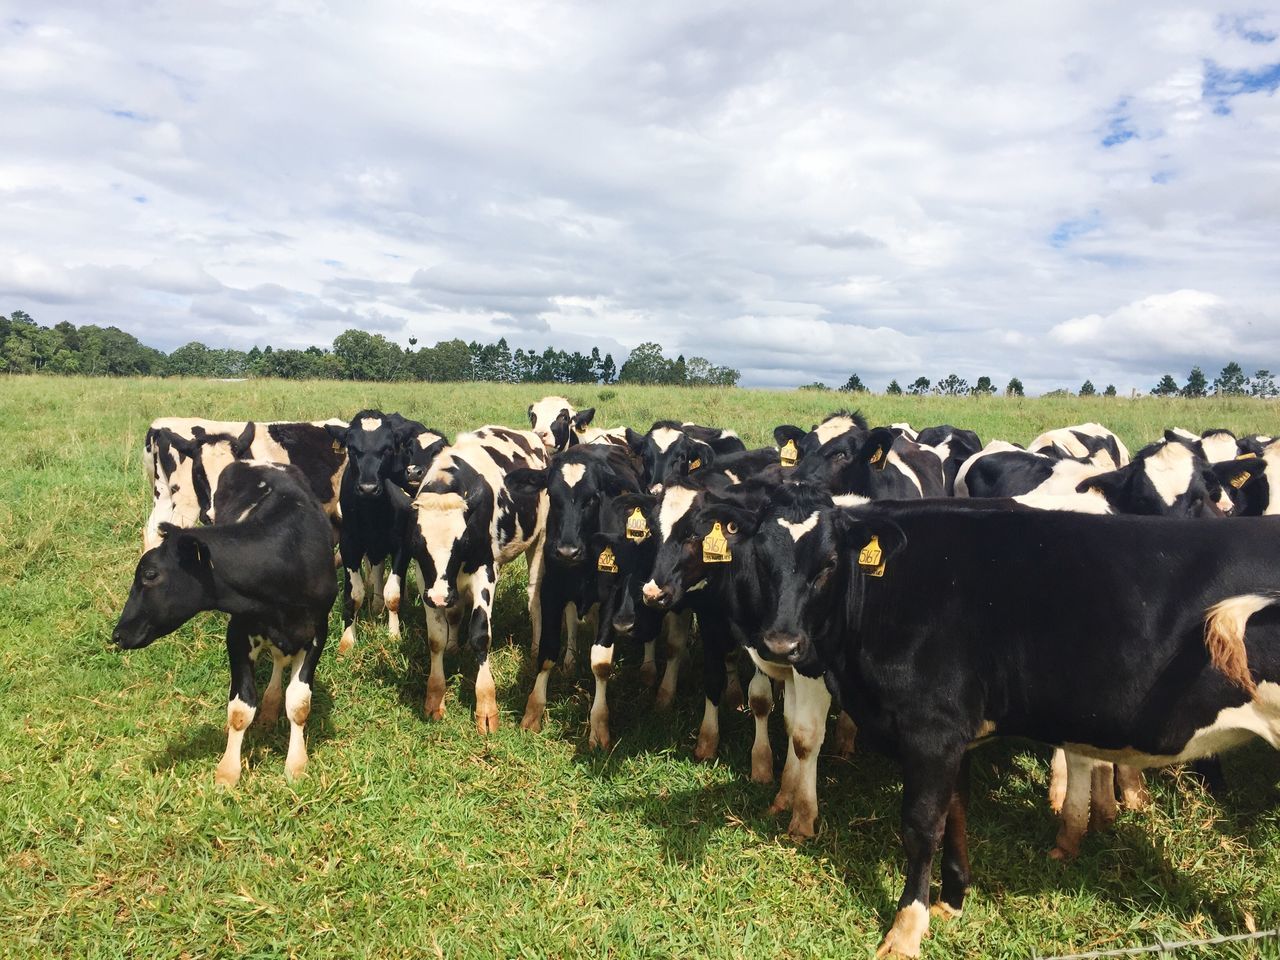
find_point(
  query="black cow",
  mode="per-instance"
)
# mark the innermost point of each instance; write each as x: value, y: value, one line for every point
x: 1117, y: 659
x: 878, y: 466
x: 375, y: 523
x: 578, y: 483
x: 268, y: 563
x: 802, y: 443
x: 417, y: 446
x: 670, y: 450
x: 467, y: 525
x: 953, y: 446
x: 1252, y: 481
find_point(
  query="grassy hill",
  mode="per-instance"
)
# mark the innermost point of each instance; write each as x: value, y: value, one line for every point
x: 411, y: 838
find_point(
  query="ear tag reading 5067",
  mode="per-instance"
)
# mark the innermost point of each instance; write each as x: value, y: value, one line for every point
x: 607, y: 563
x: 715, y: 548
x: 788, y: 455
x: 637, y: 526
x: 871, y: 558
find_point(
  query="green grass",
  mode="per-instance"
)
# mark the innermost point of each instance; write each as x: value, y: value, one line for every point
x: 409, y: 838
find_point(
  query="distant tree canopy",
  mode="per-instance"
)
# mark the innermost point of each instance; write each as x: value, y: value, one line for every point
x: 27, y: 347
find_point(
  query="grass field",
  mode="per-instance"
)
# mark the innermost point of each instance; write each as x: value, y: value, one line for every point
x: 409, y: 838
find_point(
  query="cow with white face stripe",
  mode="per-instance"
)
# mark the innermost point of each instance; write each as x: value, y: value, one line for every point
x: 561, y: 427
x: 671, y: 450
x: 579, y: 484
x: 468, y: 524
x: 802, y: 443
x: 879, y: 466
x: 1169, y: 478
x: 266, y: 561
x: 374, y: 528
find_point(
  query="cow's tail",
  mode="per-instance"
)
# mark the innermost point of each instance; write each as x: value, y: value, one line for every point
x: 1224, y: 625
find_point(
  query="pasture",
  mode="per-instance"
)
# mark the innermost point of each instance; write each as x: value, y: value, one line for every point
x: 412, y: 838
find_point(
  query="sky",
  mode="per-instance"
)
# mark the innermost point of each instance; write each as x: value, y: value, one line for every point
x: 800, y: 190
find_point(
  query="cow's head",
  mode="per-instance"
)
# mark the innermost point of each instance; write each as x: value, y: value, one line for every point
x: 556, y: 423
x: 371, y: 439
x: 171, y: 584
x: 414, y: 456
x: 668, y: 453
x: 578, y: 482
x: 1168, y: 478
x: 852, y: 462
x: 838, y: 424
x: 1219, y: 445
x: 623, y: 564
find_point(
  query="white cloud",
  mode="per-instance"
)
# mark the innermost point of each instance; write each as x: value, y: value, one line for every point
x: 802, y: 189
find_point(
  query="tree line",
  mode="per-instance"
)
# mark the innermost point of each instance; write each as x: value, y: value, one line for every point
x: 28, y: 347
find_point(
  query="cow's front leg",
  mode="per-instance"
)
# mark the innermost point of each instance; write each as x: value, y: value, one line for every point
x: 551, y: 608
x: 391, y: 599
x: 602, y: 669
x: 376, y: 599
x: 273, y: 696
x: 649, y: 668
x: 1075, y: 808
x: 482, y: 584
x: 297, y: 704
x: 571, y: 622
x: 437, y: 640
x: 846, y: 735
x: 242, y: 702
x: 537, y: 571
x: 808, y: 729
x: 760, y: 698
x: 791, y: 766
x: 677, y: 646
x: 1133, y: 788
x: 352, y: 598
x: 930, y: 775
x: 955, y: 850
x: 713, y: 684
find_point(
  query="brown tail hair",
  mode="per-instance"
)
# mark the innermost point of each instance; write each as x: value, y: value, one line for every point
x: 1224, y: 625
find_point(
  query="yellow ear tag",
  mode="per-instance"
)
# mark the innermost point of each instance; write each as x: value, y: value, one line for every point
x: 337, y: 447
x: 878, y: 457
x: 1240, y: 479
x: 715, y: 548
x: 1247, y: 456
x: 607, y: 563
x: 695, y: 465
x: 788, y: 455
x: 871, y: 557
x: 637, y: 526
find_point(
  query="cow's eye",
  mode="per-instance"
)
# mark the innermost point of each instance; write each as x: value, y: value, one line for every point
x: 150, y: 575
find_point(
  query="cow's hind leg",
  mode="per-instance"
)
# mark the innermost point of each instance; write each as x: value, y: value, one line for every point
x: 273, y: 696
x: 297, y: 703
x: 242, y: 702
x: 352, y: 598
x: 677, y: 646
x: 955, y: 850
x: 1075, y: 808
x: 808, y: 728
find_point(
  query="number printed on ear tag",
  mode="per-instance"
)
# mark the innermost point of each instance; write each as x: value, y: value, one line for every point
x: 788, y: 455
x: 715, y: 548
x: 871, y: 558
x: 607, y: 563
x: 637, y: 526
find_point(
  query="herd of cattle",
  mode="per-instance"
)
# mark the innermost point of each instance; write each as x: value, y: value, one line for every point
x: 936, y: 590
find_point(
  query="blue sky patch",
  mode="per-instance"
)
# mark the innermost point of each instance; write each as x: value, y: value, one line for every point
x: 1243, y: 28
x: 1119, y: 127
x: 1221, y: 84
x: 1068, y: 230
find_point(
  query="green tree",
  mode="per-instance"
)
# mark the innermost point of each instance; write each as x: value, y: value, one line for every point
x: 1197, y: 386
x: 816, y: 385
x: 984, y: 387
x: 646, y: 364
x: 853, y: 385
x: 608, y: 372
x: 1110, y: 391
x: 1087, y: 389
x: 952, y: 386
x: 1014, y: 388
x: 366, y: 356
x: 893, y: 390
x: 1231, y: 382
x: 919, y: 387
x: 1167, y: 387
x: 1262, y: 384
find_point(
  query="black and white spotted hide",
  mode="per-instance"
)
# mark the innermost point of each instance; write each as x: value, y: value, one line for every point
x: 670, y: 450
x: 838, y: 424
x: 880, y: 466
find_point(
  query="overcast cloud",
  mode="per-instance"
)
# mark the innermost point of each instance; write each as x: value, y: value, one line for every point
x: 797, y: 189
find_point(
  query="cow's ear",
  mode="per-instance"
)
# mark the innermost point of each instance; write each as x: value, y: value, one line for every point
x: 193, y: 553
x: 527, y: 481
x: 1108, y: 484
x: 185, y: 447
x: 855, y: 534
x: 532, y: 421
x: 167, y: 528
x: 787, y: 433
x: 1238, y: 473
x: 403, y: 432
x: 400, y: 501
x: 624, y: 503
x: 338, y: 432
x: 241, y: 446
x: 582, y: 418
x: 875, y: 449
x: 635, y: 440
x: 701, y: 455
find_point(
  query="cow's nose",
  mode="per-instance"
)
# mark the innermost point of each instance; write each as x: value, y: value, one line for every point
x: 656, y: 596
x: 368, y: 489
x: 781, y: 644
x: 569, y: 553
x: 655, y: 489
x: 117, y: 638
x: 413, y: 471
x: 624, y: 625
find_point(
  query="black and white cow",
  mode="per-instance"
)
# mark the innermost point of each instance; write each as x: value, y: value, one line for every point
x: 953, y: 446
x: 561, y: 427
x: 468, y: 524
x: 579, y: 484
x: 185, y: 457
x: 670, y: 450
x: 1219, y: 444
x: 417, y: 447
x: 375, y: 522
x: 1118, y: 659
x: 1091, y: 442
x: 268, y: 563
x: 878, y: 466
x: 837, y: 424
x: 1252, y: 480
x: 1169, y: 478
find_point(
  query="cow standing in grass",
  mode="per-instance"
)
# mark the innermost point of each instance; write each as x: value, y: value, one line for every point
x: 267, y: 562
x: 468, y: 524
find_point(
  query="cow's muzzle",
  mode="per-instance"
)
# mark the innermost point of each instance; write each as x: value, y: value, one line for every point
x: 781, y: 646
